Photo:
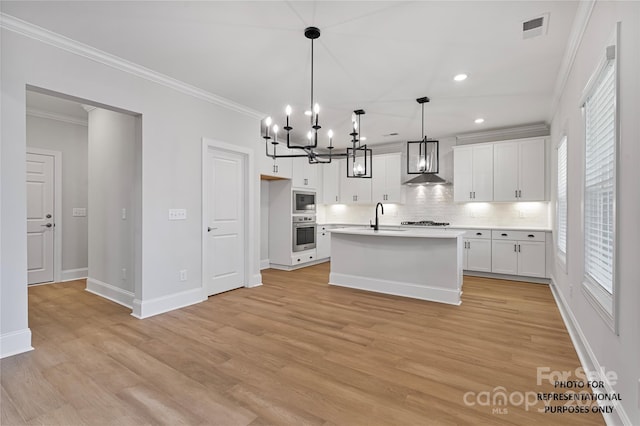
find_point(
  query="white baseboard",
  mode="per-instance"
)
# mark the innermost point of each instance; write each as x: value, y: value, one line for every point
x: 264, y: 264
x: 299, y: 266
x: 588, y: 358
x: 74, y: 274
x: 15, y: 342
x: 451, y: 297
x: 111, y: 292
x: 256, y: 281
x: 148, y: 308
x: 520, y: 278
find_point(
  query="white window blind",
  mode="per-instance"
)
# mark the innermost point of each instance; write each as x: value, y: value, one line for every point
x: 561, y: 213
x: 600, y: 132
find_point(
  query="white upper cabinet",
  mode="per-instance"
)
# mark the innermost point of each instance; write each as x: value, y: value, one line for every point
x: 331, y: 181
x: 519, y: 170
x: 305, y: 175
x: 386, y: 175
x: 354, y: 190
x: 282, y: 167
x: 473, y: 173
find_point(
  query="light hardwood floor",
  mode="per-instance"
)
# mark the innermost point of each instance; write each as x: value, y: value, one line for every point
x: 294, y: 351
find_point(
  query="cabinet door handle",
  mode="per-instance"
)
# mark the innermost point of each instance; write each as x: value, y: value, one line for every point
x: 515, y: 247
x: 519, y: 193
x: 474, y: 195
x: 469, y: 244
x: 470, y: 195
x: 531, y: 236
x: 478, y: 233
x: 518, y: 248
x: 336, y: 198
x: 504, y: 235
x: 516, y: 191
x: 306, y: 181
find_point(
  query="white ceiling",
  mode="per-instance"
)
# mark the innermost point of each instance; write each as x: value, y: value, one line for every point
x: 378, y: 56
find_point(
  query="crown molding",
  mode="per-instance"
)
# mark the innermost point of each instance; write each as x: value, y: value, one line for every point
x: 583, y: 14
x: 35, y: 32
x: 55, y: 116
x: 520, y: 132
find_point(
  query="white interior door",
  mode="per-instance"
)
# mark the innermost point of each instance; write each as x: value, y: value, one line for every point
x: 40, y: 220
x: 225, y: 191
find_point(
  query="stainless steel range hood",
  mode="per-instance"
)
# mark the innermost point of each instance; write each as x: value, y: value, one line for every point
x: 426, y: 179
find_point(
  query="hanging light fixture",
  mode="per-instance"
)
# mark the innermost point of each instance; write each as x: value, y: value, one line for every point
x: 423, y: 156
x: 358, y: 153
x: 358, y: 156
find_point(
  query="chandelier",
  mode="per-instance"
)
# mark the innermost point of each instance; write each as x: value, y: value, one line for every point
x: 358, y: 156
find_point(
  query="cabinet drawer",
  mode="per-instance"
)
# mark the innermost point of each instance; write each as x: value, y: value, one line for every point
x: 303, y: 257
x: 518, y: 235
x: 479, y: 234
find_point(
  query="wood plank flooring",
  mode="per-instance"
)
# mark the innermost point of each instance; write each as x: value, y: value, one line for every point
x: 294, y: 351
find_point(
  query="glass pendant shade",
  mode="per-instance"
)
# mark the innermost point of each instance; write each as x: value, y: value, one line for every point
x: 359, y: 162
x: 422, y: 157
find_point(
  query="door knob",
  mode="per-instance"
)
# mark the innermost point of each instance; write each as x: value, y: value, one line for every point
x: 209, y: 229
x: 48, y: 216
x: 48, y: 225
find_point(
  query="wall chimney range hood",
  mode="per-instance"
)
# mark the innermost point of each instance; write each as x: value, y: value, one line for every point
x: 426, y: 179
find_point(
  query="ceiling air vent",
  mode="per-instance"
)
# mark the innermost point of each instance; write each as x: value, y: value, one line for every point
x: 535, y: 27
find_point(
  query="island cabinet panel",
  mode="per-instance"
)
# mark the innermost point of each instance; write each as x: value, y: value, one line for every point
x: 473, y: 173
x: 280, y: 168
x: 354, y: 190
x: 386, y: 185
x: 519, y: 170
x: 331, y: 181
x: 305, y: 175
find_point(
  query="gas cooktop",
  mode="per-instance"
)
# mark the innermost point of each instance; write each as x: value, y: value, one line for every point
x: 425, y: 223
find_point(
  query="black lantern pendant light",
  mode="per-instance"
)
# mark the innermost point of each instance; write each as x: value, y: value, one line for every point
x: 358, y: 156
x: 423, y: 155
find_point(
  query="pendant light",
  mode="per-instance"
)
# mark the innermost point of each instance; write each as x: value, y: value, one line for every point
x: 423, y: 155
x: 358, y: 156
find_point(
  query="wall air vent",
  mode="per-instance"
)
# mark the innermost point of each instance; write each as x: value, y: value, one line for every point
x: 535, y: 27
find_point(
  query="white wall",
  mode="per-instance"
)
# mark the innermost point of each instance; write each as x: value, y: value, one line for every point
x: 620, y: 354
x: 173, y: 125
x: 112, y: 173
x: 71, y: 140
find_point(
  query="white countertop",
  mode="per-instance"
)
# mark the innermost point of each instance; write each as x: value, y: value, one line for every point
x: 450, y: 227
x: 405, y: 232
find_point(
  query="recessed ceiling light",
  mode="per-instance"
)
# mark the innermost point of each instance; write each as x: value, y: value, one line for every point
x: 307, y: 112
x: 479, y: 120
x: 460, y: 77
x: 363, y: 138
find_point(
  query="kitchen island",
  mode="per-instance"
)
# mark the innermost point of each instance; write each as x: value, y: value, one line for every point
x: 419, y: 263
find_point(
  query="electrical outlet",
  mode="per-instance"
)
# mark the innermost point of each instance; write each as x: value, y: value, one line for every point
x: 183, y: 275
x: 124, y: 273
x: 177, y: 214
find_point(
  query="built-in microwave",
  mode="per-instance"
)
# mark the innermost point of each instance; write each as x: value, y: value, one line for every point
x: 304, y: 202
x: 304, y: 233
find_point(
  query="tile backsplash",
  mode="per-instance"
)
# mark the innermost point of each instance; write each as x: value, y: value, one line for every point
x: 435, y: 202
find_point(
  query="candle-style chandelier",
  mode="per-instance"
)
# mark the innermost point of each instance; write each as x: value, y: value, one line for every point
x: 358, y: 156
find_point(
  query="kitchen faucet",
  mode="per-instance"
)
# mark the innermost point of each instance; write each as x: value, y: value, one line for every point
x: 376, y: 226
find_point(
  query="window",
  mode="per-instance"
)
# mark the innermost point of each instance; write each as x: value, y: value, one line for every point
x: 562, y: 203
x: 600, y: 113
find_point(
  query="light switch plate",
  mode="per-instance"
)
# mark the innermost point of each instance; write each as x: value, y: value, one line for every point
x: 79, y: 212
x: 177, y: 214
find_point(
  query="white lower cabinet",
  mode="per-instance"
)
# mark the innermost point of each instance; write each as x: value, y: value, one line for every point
x: 477, y: 250
x: 518, y: 253
x: 323, y: 243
